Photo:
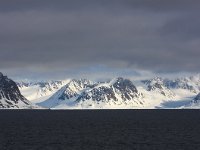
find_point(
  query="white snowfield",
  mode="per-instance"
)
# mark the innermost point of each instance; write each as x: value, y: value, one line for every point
x: 119, y: 93
x: 39, y: 91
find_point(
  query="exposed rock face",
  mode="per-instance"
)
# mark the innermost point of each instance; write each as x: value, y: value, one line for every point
x: 44, y: 88
x: 101, y: 93
x: 126, y: 88
x: 85, y: 93
x: 191, y: 83
x: 118, y: 91
x: 74, y: 87
x: 197, y: 98
x: 158, y: 85
x: 10, y: 96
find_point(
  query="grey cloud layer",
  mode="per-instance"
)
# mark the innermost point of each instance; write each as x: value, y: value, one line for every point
x: 148, y: 34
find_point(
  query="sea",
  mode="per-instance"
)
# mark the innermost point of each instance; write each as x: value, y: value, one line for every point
x: 154, y: 129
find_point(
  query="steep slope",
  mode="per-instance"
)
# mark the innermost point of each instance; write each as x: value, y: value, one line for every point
x: 40, y: 91
x: 68, y: 93
x: 85, y: 94
x: 197, y: 99
x: 119, y: 93
x: 194, y: 103
x: 157, y: 85
x: 74, y: 88
x: 10, y: 96
x: 191, y: 83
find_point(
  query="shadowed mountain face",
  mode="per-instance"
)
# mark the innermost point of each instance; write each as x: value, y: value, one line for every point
x: 84, y: 93
x: 120, y: 93
x: 10, y: 96
x: 39, y: 89
x: 190, y: 84
x: 74, y: 87
x: 126, y: 88
x: 121, y: 89
x: 197, y: 98
x: 158, y: 85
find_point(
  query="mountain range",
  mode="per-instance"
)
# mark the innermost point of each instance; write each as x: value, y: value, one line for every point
x: 117, y: 93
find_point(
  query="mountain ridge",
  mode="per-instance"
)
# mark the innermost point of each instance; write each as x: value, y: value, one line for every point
x: 10, y: 95
x: 116, y: 93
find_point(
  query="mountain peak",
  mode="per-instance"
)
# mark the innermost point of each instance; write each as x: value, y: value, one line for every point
x: 124, y: 84
x: 157, y: 84
x: 119, y: 90
x: 10, y: 96
x: 197, y: 98
x: 1, y: 75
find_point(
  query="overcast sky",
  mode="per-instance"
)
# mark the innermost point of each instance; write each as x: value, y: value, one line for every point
x: 98, y: 37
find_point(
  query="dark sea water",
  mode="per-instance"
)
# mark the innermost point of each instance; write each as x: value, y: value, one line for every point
x: 99, y: 129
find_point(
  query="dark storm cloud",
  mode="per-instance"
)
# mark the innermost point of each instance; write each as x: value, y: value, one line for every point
x: 57, y: 34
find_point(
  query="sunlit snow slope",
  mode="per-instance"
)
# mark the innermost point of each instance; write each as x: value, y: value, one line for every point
x: 117, y: 93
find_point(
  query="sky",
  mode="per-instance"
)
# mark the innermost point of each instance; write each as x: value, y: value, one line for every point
x: 98, y: 38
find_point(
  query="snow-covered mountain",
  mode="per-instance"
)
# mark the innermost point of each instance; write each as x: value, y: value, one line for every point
x: 75, y: 87
x: 191, y: 83
x: 40, y: 90
x: 157, y: 92
x: 194, y: 103
x: 10, y: 96
x: 118, y: 92
x: 86, y: 94
x: 69, y: 93
x: 158, y: 85
x: 196, y: 100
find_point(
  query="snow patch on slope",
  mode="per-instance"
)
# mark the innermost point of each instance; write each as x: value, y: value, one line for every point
x: 39, y: 91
